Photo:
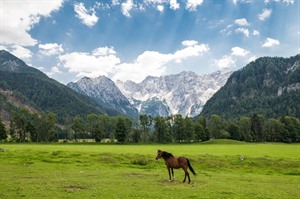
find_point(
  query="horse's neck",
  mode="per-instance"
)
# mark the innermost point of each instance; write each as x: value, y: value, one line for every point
x: 168, y: 158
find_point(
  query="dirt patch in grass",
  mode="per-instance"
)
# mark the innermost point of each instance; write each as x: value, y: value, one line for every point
x: 136, y: 174
x: 73, y: 188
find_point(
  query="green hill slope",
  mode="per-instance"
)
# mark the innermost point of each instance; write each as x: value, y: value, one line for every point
x: 268, y: 86
x: 33, y: 88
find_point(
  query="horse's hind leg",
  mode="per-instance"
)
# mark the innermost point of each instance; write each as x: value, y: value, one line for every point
x: 184, y: 175
x: 187, y: 173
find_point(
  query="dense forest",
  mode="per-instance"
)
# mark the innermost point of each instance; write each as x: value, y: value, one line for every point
x: 43, y: 127
x: 269, y: 86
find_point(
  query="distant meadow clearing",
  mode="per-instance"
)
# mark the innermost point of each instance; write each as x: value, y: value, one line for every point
x: 225, y: 170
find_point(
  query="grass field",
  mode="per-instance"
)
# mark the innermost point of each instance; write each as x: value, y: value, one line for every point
x: 131, y: 171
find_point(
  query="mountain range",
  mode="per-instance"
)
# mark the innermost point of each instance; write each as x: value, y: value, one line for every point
x: 269, y: 86
x: 184, y: 93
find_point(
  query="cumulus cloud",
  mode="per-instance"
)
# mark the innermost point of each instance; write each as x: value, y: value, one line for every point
x: 103, y: 51
x: 237, y: 27
x: 174, y: 5
x: 51, y: 49
x: 155, y: 63
x: 115, y: 2
x: 284, y: 1
x: 240, y: 1
x: 266, y: 13
x: 241, y: 22
x: 160, y: 4
x: 54, y: 70
x: 269, y: 42
x: 237, y: 57
x: 244, y: 31
x: 160, y: 8
x: 100, y: 62
x: 189, y: 43
x: 225, y: 62
x: 127, y: 7
x: 18, y: 19
x: 21, y: 52
x: 87, y: 17
x: 237, y: 51
x: 255, y: 32
x: 104, y: 61
x: 289, y: 1
x: 193, y: 4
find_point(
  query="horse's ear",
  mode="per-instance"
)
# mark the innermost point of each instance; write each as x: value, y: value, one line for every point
x: 158, y: 151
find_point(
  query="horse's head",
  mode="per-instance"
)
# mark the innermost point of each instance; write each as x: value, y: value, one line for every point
x: 159, y: 154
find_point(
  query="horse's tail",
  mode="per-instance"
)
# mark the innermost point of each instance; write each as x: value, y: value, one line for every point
x: 191, y: 168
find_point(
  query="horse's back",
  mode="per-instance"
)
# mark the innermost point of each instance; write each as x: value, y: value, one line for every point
x: 178, y: 162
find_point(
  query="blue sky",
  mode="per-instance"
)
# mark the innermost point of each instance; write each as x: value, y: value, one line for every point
x: 131, y: 39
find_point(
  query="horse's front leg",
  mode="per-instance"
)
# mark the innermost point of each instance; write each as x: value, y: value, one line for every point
x: 169, y: 173
x: 172, y: 174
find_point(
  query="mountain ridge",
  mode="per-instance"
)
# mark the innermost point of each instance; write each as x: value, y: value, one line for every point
x: 104, y: 92
x: 184, y: 93
x: 42, y: 93
x: 269, y: 86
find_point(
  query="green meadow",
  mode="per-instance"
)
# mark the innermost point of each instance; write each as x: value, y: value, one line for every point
x: 224, y: 169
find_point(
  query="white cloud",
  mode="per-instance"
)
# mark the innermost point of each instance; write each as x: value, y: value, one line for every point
x: 104, y: 61
x: 189, y: 43
x: 192, y: 50
x: 237, y: 51
x: 127, y: 7
x: 255, y: 32
x: 225, y: 62
x: 51, y: 49
x: 288, y: 1
x: 160, y: 8
x: 174, y: 5
x: 193, y: 4
x: 266, y: 13
x: 241, y: 22
x: 87, y: 17
x: 244, y: 31
x: 155, y: 63
x: 269, y: 42
x: 284, y: 1
x: 91, y: 65
x: 54, y: 70
x: 115, y: 2
x: 3, y: 48
x: 21, y: 52
x: 158, y: 4
x: 240, y: 1
x: 17, y: 19
x: 103, y: 51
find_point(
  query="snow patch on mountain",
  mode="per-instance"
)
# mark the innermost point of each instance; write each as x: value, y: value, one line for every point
x: 183, y: 93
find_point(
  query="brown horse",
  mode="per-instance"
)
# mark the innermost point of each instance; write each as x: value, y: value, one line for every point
x: 176, y: 163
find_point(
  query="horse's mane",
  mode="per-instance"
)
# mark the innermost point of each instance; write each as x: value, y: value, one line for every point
x: 167, y: 155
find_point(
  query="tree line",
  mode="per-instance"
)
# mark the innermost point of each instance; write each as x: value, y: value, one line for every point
x: 43, y: 127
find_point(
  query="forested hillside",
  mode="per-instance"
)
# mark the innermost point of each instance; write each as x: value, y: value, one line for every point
x: 269, y: 86
x: 32, y: 88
